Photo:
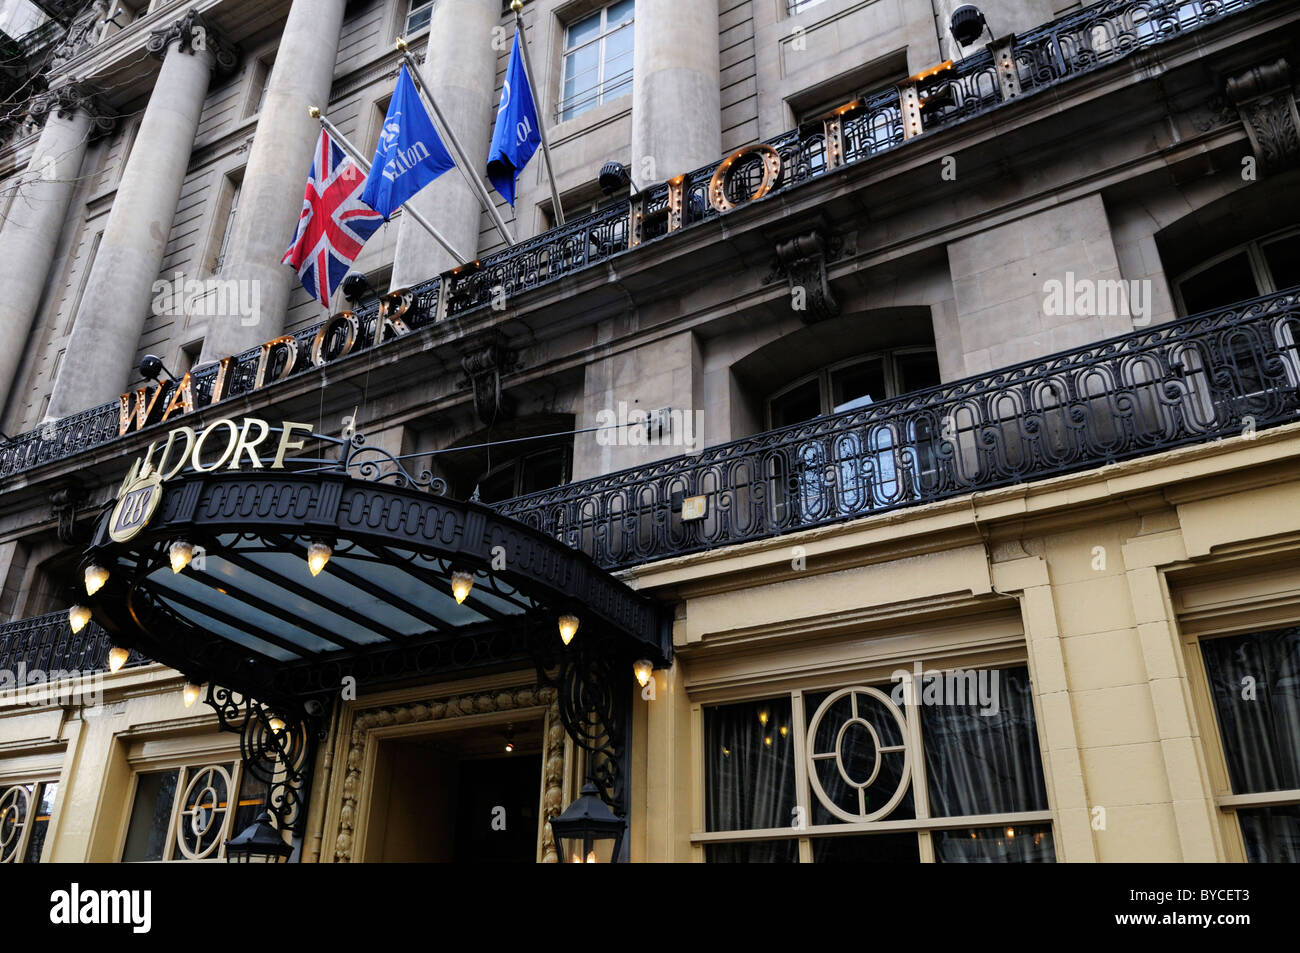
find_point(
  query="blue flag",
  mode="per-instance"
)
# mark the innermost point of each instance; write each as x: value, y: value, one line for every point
x: 410, y: 154
x: 518, y: 133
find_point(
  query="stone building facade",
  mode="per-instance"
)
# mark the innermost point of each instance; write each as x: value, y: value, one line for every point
x: 886, y: 362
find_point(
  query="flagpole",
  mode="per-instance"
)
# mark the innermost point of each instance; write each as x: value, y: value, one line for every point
x: 360, y: 160
x: 518, y: 7
x: 468, y: 170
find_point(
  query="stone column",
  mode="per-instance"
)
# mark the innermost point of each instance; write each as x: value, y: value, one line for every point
x: 271, y: 194
x: 676, y: 108
x: 460, y: 71
x: 98, y: 364
x: 27, y: 243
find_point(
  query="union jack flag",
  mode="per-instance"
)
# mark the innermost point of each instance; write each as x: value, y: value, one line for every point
x: 334, y: 224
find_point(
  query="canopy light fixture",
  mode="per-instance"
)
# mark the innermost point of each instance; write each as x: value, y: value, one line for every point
x: 644, y: 671
x: 191, y: 693
x: 318, y: 554
x: 461, y: 584
x: 78, y: 616
x: 276, y: 723
x: 568, y: 627
x: 117, y: 657
x: 96, y: 576
x: 181, y: 553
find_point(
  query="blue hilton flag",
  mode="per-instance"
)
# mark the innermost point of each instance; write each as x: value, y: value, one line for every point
x: 517, y: 134
x: 410, y: 154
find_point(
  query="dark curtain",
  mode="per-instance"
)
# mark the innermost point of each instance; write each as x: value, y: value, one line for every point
x: 750, y: 781
x: 1255, y: 680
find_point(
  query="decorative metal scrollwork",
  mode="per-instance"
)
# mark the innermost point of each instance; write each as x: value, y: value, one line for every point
x: 276, y: 750
x: 379, y: 466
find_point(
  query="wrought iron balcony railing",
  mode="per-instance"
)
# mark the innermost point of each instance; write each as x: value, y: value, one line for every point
x: 1221, y: 374
x: 47, y: 644
x: 1077, y: 43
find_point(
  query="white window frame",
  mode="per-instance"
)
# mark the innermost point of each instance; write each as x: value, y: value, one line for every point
x: 593, y: 96
x: 413, y: 8
x: 923, y: 825
x: 188, y: 770
x: 37, y: 786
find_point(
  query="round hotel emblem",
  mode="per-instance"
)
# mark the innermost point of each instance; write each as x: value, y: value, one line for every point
x: 135, y: 505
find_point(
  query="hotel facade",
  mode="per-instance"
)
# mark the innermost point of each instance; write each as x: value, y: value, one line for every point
x: 892, y: 459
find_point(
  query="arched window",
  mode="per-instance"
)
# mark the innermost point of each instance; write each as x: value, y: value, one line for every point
x: 1255, y: 268
x: 853, y: 384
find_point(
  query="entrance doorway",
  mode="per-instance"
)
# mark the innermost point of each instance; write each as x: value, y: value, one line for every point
x: 458, y: 796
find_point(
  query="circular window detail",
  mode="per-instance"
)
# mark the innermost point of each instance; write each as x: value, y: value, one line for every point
x: 203, y: 815
x: 14, y: 806
x: 863, y: 732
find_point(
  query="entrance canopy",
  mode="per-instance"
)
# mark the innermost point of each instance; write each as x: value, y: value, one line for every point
x: 215, y: 581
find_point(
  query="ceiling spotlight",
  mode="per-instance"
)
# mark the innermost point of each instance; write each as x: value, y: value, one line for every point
x: 78, y: 616
x: 568, y: 627
x: 643, y: 669
x: 967, y: 24
x: 191, y: 693
x: 180, y: 552
x: 117, y: 657
x: 318, y: 554
x: 461, y: 584
x: 96, y: 576
x: 510, y: 739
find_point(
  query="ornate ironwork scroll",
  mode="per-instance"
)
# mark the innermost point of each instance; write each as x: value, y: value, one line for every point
x: 277, y: 750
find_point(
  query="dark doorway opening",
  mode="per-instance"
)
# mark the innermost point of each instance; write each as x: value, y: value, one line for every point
x: 496, y: 810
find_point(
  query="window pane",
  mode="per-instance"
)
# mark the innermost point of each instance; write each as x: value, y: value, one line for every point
x: 618, y: 63
x: 850, y: 385
x: 1021, y: 844
x: 544, y: 470
x: 917, y: 371
x: 797, y: 405
x: 1255, y: 681
x: 1283, y: 257
x: 150, y: 816
x: 252, y: 800
x: 1272, y: 834
x: 499, y: 485
x: 760, y: 852
x: 41, y: 821
x: 904, y: 848
x: 15, y: 808
x: 1219, y: 285
x: 749, y: 765
x: 616, y: 13
x: 981, y: 745
x: 584, y: 30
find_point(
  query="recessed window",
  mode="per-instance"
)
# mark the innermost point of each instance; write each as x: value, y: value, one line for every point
x: 854, y: 384
x: 798, y: 6
x: 188, y: 813
x: 597, y: 59
x: 418, y: 16
x: 1257, y: 268
x: 226, y: 213
x: 25, y: 812
x: 1255, y: 683
x: 833, y: 775
x: 261, y: 83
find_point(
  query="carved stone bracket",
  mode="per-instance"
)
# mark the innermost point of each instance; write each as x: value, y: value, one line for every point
x: 802, y: 261
x: 193, y: 33
x: 68, y: 98
x: 1265, y: 100
x: 65, y: 501
x: 483, y: 366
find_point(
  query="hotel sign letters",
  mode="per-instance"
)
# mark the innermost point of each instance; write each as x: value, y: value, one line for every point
x: 223, y: 443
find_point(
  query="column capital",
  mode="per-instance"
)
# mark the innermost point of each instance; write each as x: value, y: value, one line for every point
x: 193, y: 33
x: 74, y: 95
